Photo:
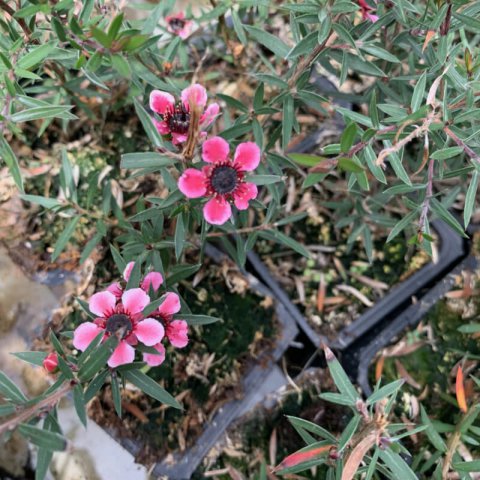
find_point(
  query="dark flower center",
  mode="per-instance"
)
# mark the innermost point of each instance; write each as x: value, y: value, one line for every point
x: 224, y: 179
x: 176, y: 24
x: 178, y: 121
x: 119, y: 324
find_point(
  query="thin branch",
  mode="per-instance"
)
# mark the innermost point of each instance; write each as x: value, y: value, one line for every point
x: 473, y: 155
x: 307, y: 61
x: 428, y: 196
x: 7, y: 8
x: 35, y: 410
x: 417, y: 132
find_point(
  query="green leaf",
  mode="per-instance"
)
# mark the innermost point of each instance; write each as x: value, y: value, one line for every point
x: 12, y: 163
x: 312, y: 428
x: 45, y: 202
x: 43, y: 438
x: 116, y: 395
x: 306, y: 159
x: 348, y: 137
x: 385, y: 391
x: 432, y: 434
x: 148, y: 125
x: 380, y: 53
x: 34, y: 358
x: 397, y: 465
x: 264, y: 179
x: 36, y: 113
x: 281, y: 238
x: 150, y: 387
x: 337, y: 398
x: 145, y: 160
x: 79, y: 404
x: 10, y: 391
x: 470, y: 199
x: 348, y: 433
x: 65, y: 237
x: 192, y: 319
x: 97, y: 360
x: 180, y: 272
x: 473, y: 466
x: 446, y: 153
x: 35, y: 56
x: 271, y: 42
x: 288, y: 118
x: 101, y: 37
x: 115, y: 26
x: 304, y: 46
x: 446, y: 216
x: 340, y: 378
x: 179, y: 236
x: 350, y: 165
x: 402, y: 224
x: 418, y: 93
x: 121, y: 65
x: 238, y: 27
x: 118, y: 259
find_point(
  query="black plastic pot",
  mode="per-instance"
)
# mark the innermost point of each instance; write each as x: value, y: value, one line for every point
x: 184, y: 464
x: 359, y: 362
x: 367, y: 325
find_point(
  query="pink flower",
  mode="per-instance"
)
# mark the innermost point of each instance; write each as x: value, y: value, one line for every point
x: 175, y: 117
x: 366, y: 9
x: 176, y: 330
x: 223, y: 179
x: 50, y: 362
x: 177, y: 25
x: 123, y: 318
x: 151, y: 280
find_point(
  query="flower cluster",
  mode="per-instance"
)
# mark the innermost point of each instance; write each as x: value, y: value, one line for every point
x: 119, y: 312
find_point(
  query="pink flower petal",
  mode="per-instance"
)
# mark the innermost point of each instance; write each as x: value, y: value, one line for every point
x: 215, y: 150
x: 128, y: 270
x: 217, y: 211
x: 178, y: 138
x: 123, y: 354
x: 186, y: 30
x: 244, y: 193
x: 84, y: 334
x: 193, y: 183
x: 116, y: 289
x: 194, y: 94
x: 154, y: 360
x: 161, y: 102
x: 102, y: 303
x: 247, y: 156
x: 149, y: 331
x: 170, y: 305
x: 135, y: 300
x: 152, y: 279
x: 162, y: 127
x: 177, y: 333
x: 370, y: 16
x: 210, y: 114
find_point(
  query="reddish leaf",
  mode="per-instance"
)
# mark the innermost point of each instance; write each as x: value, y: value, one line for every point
x: 460, y: 391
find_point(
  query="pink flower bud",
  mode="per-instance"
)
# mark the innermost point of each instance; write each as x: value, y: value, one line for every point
x: 50, y: 362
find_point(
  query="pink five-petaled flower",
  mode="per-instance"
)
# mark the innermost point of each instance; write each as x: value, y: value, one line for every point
x: 175, y: 330
x: 50, y: 362
x: 366, y: 9
x: 176, y: 116
x: 223, y: 179
x: 178, y: 25
x: 123, y: 319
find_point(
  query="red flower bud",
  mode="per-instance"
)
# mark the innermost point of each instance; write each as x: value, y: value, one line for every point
x: 50, y: 363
